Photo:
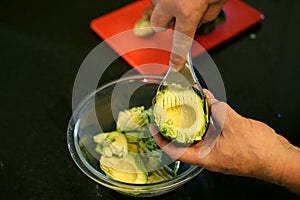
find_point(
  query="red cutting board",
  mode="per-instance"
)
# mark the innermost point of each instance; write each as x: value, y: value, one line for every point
x: 116, y: 29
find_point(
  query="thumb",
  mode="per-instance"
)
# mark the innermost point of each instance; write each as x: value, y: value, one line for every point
x: 167, y: 146
x: 210, y: 97
x: 217, y: 118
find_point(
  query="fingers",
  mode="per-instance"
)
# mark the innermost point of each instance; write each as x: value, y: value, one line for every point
x: 182, y: 153
x: 212, y: 12
x: 160, y: 19
x: 210, y: 97
x: 217, y: 109
x: 153, y: 2
x: 163, y: 16
x: 180, y: 46
x: 166, y: 145
x: 187, y: 19
x: 160, y: 140
x: 188, y: 16
x: 183, y: 36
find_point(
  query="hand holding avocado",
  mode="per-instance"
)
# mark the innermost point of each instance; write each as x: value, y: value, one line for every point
x: 246, y: 147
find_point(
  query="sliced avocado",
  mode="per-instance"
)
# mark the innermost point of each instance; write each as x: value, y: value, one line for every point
x: 129, y: 169
x: 159, y: 175
x: 134, y: 137
x: 180, y: 114
x: 111, y: 144
x: 153, y: 159
x: 154, y: 178
x: 142, y: 28
x: 132, y: 156
x: 133, y: 147
x: 132, y: 119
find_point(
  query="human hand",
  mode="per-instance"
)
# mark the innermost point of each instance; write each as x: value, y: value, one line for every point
x: 245, y: 147
x: 186, y: 15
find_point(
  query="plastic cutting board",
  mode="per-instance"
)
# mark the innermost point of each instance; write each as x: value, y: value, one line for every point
x: 115, y: 28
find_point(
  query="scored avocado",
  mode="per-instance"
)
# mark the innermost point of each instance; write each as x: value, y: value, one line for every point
x: 181, y: 114
x: 129, y: 169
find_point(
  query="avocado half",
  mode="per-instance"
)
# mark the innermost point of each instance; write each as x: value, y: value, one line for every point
x: 181, y: 114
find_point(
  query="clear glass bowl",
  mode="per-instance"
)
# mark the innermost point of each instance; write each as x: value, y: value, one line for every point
x: 97, y: 113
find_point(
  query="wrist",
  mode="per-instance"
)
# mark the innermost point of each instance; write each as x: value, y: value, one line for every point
x: 290, y: 176
x: 281, y: 165
x: 276, y: 160
x: 270, y: 153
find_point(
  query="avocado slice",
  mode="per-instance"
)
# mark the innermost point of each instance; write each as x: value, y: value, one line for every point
x: 130, y: 154
x: 111, y: 144
x: 142, y: 28
x: 132, y: 119
x: 181, y: 114
x: 129, y: 169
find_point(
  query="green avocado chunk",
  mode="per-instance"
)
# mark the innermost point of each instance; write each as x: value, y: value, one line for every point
x: 111, y: 144
x: 133, y: 119
x: 129, y: 169
x: 142, y: 28
x: 181, y: 114
x: 130, y: 154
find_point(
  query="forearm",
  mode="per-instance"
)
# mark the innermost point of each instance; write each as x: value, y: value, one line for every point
x: 290, y: 177
x: 281, y: 165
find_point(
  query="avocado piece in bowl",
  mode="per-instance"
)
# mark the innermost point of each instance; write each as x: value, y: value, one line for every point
x: 129, y: 169
x: 133, y: 119
x: 111, y: 144
x: 181, y: 114
x: 130, y: 154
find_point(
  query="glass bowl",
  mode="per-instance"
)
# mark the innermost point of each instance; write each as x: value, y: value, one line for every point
x: 97, y: 113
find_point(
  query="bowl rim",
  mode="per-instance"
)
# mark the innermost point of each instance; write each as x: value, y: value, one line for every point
x: 102, y: 179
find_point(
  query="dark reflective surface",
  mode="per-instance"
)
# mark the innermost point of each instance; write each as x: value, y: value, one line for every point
x: 43, y: 44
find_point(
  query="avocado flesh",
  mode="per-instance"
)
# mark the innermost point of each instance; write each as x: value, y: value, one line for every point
x: 129, y: 154
x: 128, y: 169
x: 179, y: 114
x: 111, y: 144
x: 142, y: 28
x: 132, y: 119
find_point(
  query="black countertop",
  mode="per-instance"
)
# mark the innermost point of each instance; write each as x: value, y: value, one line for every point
x: 43, y: 44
